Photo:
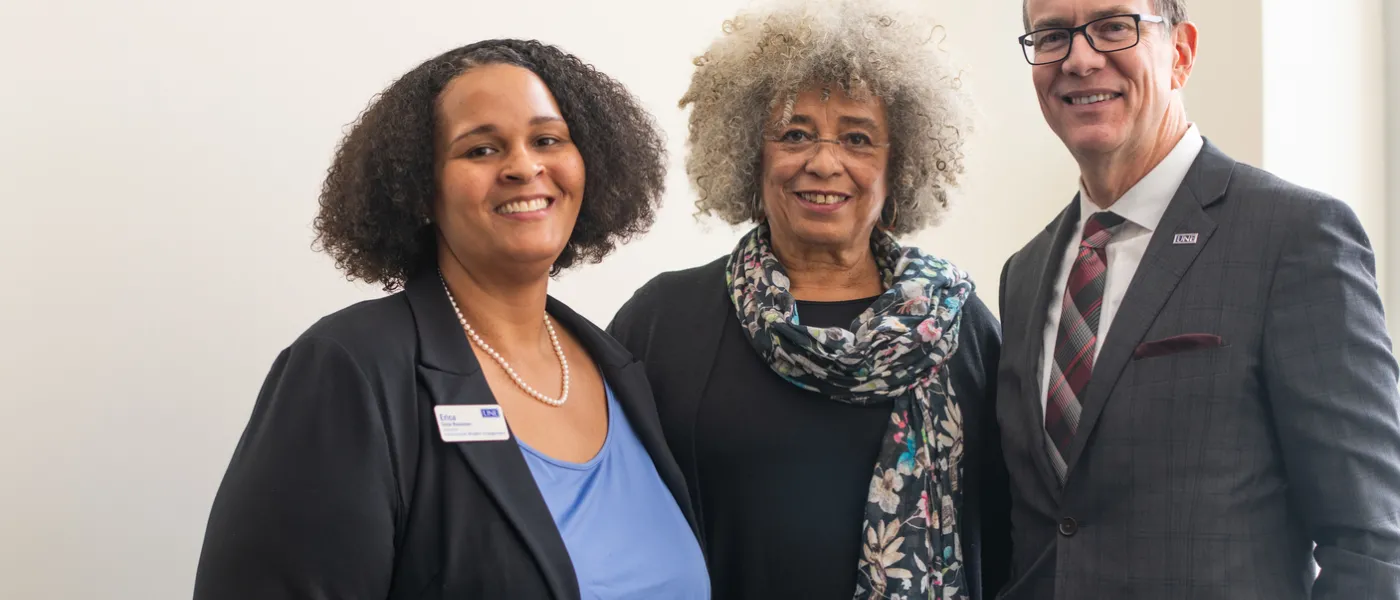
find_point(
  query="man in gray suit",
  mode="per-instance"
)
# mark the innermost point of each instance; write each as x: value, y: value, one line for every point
x: 1197, y: 395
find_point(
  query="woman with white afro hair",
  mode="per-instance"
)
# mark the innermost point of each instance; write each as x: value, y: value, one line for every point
x: 827, y: 391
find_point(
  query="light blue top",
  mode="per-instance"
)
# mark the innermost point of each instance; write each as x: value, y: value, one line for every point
x: 624, y: 532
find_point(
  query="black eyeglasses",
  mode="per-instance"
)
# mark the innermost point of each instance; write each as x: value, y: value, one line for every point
x: 1107, y: 34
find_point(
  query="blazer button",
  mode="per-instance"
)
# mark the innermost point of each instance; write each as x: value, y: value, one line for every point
x: 1068, y: 526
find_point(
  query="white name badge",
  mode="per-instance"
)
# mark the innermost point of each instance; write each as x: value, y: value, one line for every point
x: 471, y: 423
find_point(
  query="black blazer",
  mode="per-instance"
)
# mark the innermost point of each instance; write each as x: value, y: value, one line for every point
x: 674, y: 323
x: 341, y: 486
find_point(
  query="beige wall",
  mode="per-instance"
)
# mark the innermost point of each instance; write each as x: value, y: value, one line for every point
x: 1225, y: 95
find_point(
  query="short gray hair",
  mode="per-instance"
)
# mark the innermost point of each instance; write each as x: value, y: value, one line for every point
x: 763, y: 60
x: 1173, y: 11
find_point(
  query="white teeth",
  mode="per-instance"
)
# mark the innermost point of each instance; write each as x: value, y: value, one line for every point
x: 822, y: 198
x: 1092, y: 99
x: 522, y: 206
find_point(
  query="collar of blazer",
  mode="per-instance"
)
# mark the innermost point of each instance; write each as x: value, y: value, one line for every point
x: 451, y: 374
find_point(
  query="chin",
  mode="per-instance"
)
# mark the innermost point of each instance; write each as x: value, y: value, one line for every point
x: 534, y: 252
x: 811, y: 233
x: 1093, y: 139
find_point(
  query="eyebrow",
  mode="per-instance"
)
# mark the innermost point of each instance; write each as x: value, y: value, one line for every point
x: 488, y: 128
x: 845, y: 121
x: 1098, y: 14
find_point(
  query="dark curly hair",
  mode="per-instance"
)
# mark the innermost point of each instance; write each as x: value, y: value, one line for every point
x: 377, y: 198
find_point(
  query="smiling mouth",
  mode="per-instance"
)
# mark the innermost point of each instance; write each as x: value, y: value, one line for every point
x: 1094, y: 99
x: 524, y: 206
x: 823, y: 199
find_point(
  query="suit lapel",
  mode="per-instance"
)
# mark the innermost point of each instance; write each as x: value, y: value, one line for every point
x: 1163, y: 265
x: 452, y: 375
x: 1052, y: 251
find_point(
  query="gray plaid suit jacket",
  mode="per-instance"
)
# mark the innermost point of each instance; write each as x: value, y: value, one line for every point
x: 1208, y: 470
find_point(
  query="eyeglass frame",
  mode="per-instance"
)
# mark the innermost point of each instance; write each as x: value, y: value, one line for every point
x: 1138, y: 19
x: 820, y: 140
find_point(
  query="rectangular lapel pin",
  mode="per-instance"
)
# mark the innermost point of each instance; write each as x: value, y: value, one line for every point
x: 1185, y: 238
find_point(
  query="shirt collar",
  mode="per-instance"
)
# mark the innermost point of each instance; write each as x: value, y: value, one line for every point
x: 1146, y: 202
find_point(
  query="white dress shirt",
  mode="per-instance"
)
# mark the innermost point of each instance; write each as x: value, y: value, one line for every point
x: 1142, y: 207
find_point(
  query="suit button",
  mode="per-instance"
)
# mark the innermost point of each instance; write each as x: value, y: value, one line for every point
x: 1068, y: 526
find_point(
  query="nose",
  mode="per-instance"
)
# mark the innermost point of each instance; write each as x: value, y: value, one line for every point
x: 1083, y: 59
x: 824, y: 162
x: 522, y: 166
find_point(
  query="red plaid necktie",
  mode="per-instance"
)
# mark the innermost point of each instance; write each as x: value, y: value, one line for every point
x: 1077, y: 337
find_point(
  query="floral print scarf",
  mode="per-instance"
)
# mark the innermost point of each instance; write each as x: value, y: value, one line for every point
x: 894, y: 352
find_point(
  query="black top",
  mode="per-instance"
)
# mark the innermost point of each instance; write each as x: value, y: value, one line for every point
x: 342, y: 487
x: 780, y: 475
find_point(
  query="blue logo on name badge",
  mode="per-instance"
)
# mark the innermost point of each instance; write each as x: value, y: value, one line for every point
x: 490, y: 413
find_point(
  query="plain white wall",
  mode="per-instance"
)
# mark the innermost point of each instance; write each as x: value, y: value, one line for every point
x: 159, y: 172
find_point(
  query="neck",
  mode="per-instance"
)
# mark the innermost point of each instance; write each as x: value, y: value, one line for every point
x: 1109, y: 175
x: 829, y: 274
x: 505, y: 309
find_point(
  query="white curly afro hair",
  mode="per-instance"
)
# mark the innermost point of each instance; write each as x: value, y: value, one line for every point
x: 767, y: 55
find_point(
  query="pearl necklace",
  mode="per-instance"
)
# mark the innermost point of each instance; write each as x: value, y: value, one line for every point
x: 476, y: 339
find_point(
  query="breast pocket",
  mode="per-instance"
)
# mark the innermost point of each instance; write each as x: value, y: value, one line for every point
x: 1176, y: 402
x: 1160, y: 371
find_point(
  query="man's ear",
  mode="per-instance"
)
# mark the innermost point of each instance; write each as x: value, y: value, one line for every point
x: 1184, y: 46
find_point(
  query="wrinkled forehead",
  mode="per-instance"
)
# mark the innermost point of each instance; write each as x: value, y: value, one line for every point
x: 822, y: 102
x: 1041, y: 14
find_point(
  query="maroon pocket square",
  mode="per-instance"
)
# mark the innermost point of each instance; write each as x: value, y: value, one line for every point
x: 1176, y: 344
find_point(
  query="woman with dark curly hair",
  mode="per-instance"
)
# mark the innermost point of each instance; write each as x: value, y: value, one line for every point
x: 468, y: 436
x: 830, y: 391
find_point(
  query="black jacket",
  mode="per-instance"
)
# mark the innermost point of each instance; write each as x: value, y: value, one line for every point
x: 341, y: 486
x: 674, y: 325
